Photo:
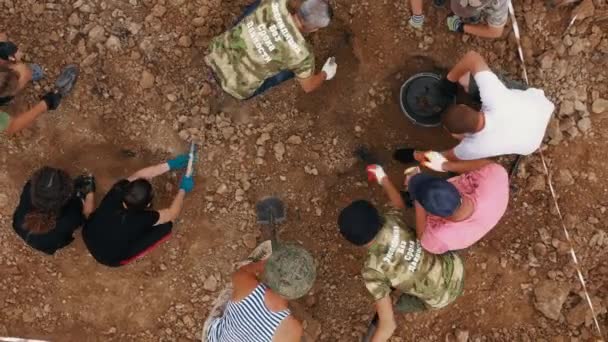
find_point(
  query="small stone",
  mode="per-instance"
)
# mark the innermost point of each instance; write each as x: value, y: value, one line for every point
x: 565, y: 177
x: 227, y: 132
x: 74, y: 20
x: 540, y: 250
x: 159, y: 10
x: 263, y: 139
x: 147, y: 80
x: 198, y: 22
x: 171, y: 97
x: 584, y: 124
x: 554, y: 132
x: 294, y: 140
x: 279, y: 151
x: 599, y: 106
x: 250, y: 241
x: 113, y: 43
x: 97, y: 35
x: 210, y: 284
x: 549, y: 298
x: 536, y: 183
x: 580, y: 106
x: 188, y: 321
x: 222, y: 189
x: 185, y: 41
x: 3, y: 200
x: 462, y: 335
x: 184, y: 135
x: 566, y: 108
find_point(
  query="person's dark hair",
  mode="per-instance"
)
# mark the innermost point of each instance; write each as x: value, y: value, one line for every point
x: 9, y: 81
x: 138, y: 194
x: 314, y: 14
x: 50, y: 190
x: 359, y: 222
x: 460, y: 119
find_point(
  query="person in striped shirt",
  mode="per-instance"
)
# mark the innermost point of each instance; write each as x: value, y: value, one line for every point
x: 254, y: 307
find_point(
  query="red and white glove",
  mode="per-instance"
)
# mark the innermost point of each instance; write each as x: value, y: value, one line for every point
x: 434, y: 161
x: 375, y: 173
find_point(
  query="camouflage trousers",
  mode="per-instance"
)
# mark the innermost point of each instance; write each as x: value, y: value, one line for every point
x: 454, y: 284
x: 219, y: 305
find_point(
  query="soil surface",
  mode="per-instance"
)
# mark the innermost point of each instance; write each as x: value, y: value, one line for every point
x: 143, y: 94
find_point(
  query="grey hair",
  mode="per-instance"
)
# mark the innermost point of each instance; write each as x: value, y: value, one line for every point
x: 315, y: 14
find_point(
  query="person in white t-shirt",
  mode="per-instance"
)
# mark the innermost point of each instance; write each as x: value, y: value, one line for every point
x: 511, y: 121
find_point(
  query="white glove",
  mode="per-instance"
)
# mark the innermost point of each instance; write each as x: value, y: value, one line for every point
x: 330, y: 68
x: 375, y: 173
x: 434, y: 161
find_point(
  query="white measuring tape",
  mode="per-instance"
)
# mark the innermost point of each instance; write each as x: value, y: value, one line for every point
x: 548, y: 174
x: 17, y: 339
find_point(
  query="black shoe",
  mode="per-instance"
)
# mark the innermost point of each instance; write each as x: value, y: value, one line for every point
x: 404, y: 155
x: 84, y: 185
x: 366, y: 156
x: 67, y: 79
x: 439, y: 3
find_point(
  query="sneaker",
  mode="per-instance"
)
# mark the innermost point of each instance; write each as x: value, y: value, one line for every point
x: 67, y: 79
x: 37, y: 72
x: 404, y: 155
x: 416, y: 21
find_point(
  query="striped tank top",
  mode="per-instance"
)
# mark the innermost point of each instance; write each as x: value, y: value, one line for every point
x: 248, y: 320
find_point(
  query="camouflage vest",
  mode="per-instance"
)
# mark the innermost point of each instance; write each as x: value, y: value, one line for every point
x: 396, y: 259
x: 258, y: 47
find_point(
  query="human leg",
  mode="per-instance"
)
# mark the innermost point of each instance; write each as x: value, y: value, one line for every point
x: 274, y: 81
x: 148, y: 242
x: 417, y: 19
x: 248, y: 10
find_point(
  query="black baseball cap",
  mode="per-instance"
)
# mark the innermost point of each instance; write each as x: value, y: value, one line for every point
x: 436, y: 195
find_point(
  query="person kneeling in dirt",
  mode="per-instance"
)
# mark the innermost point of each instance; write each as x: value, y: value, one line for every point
x: 125, y: 227
x: 468, y: 15
x: 52, y: 207
x: 512, y: 120
x: 15, y: 76
x: 395, y: 259
x: 254, y: 308
x: 454, y: 214
x: 267, y: 47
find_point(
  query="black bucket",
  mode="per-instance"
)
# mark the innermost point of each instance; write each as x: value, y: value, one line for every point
x: 421, y: 100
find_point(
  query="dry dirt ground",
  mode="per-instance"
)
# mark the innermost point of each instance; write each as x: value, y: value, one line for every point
x: 142, y: 93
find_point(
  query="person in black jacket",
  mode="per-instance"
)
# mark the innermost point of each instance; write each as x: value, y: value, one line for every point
x: 125, y: 226
x: 52, y: 207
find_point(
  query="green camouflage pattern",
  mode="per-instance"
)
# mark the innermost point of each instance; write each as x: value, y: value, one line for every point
x: 290, y: 271
x: 396, y: 259
x: 5, y: 120
x: 260, y: 46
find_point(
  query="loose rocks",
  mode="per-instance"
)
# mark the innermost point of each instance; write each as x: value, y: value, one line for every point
x: 550, y: 296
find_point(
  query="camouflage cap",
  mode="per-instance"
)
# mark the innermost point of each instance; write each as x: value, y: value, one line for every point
x: 290, y: 271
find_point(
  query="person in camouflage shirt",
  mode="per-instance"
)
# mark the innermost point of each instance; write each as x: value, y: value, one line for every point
x: 396, y: 260
x: 267, y: 46
x: 469, y: 14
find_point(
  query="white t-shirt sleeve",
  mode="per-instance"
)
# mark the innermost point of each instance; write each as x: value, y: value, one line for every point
x: 491, y: 90
x: 470, y: 148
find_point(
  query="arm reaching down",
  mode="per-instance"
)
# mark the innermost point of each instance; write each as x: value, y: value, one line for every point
x: 484, y: 31
x: 471, y: 62
x: 150, y: 172
x: 386, y: 320
x: 170, y: 214
x: 327, y: 73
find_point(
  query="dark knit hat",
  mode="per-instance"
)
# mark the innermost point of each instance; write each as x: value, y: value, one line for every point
x: 436, y: 195
x: 359, y: 222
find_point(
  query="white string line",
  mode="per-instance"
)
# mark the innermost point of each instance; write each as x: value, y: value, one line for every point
x: 548, y: 174
x: 16, y: 339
